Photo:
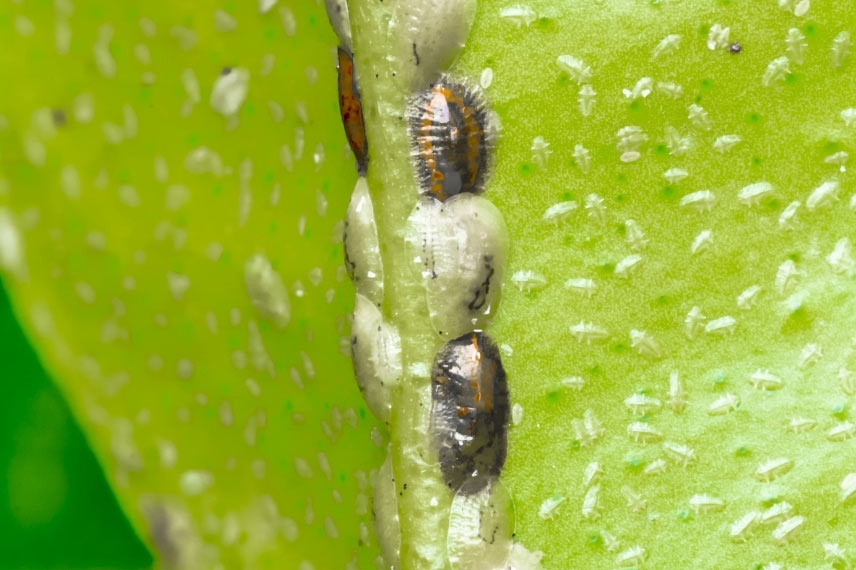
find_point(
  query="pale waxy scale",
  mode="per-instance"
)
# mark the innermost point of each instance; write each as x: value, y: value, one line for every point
x: 588, y: 332
x: 741, y: 529
x: 718, y: 37
x: 694, y: 322
x: 266, y: 290
x: 840, y: 259
x: 582, y: 157
x: 576, y: 383
x: 788, y: 529
x: 575, y: 68
x: 701, y: 201
x: 668, y: 45
x: 675, y: 175
x: 630, y: 140
x: 635, y: 235
x: 385, y: 509
x: 677, y: 143
x: 459, y: 248
x: 840, y: 48
x: 670, y: 89
x: 641, y: 432
x: 801, y: 425
x: 595, y: 208
x: 837, y: 556
x: 362, y: 249
x: 376, y: 350
x: 786, y: 277
x: 582, y: 285
x: 559, y: 212
x: 796, y: 45
x: 656, y: 467
x: 610, y: 542
x: 479, y: 526
x: 645, y: 344
x: 776, y: 513
x: 337, y: 13
x: 699, y: 117
x: 591, y: 503
x: 725, y: 143
x: 628, y: 265
x: 640, y: 404
x: 429, y: 35
x: 823, y: 196
x: 765, y: 380
x: 677, y: 400
x: 592, y: 474
x: 586, y: 99
x: 848, y: 115
x: 519, y: 14
x: 772, y: 469
x: 753, y: 194
x: 705, y: 503
x: 776, y: 71
x: 848, y: 488
x: 721, y: 326
x: 702, y: 242
x: 724, y: 405
x: 549, y: 507
x: 633, y: 557
x: 681, y: 454
x: 841, y: 432
x: 787, y: 219
x: 640, y: 90
x: 809, y: 355
x: 230, y: 90
x: 540, y: 151
x: 747, y: 299
x: 527, y: 280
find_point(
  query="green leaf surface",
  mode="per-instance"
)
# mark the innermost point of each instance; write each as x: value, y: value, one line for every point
x: 229, y: 439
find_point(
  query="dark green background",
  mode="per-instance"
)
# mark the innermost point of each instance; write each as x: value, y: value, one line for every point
x: 56, y: 509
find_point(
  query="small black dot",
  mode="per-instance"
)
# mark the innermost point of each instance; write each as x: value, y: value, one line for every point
x: 226, y: 70
x: 58, y: 116
x: 735, y: 48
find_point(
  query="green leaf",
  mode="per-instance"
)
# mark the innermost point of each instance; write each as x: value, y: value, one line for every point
x: 231, y: 436
x: 785, y: 123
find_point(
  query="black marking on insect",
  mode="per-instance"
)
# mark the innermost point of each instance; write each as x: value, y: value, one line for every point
x: 469, y: 412
x: 452, y: 134
x: 351, y: 110
x: 483, y: 290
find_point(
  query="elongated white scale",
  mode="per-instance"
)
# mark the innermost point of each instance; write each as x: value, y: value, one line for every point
x: 387, y: 524
x: 459, y: 248
x: 430, y: 35
x: 337, y: 13
x: 480, y: 527
x: 376, y: 350
x: 362, y: 249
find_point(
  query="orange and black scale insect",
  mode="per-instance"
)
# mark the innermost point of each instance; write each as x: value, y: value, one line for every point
x: 452, y: 137
x: 469, y: 411
x: 351, y: 110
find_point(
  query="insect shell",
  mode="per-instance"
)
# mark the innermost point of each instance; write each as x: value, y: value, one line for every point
x: 362, y: 248
x: 452, y: 135
x: 459, y: 249
x: 351, y: 110
x: 469, y: 412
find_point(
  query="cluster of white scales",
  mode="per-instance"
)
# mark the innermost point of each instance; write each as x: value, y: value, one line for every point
x: 447, y: 242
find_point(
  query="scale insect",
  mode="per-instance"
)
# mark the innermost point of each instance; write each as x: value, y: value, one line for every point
x: 469, y: 412
x: 351, y: 110
x: 452, y: 134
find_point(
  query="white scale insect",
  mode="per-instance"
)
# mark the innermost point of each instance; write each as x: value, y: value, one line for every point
x: 376, y: 351
x: 459, y: 248
x: 362, y: 249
